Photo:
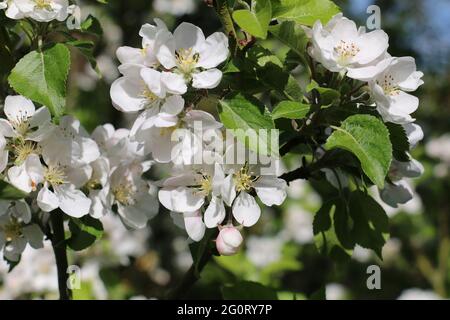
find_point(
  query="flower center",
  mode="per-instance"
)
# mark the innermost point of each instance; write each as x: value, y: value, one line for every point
x: 187, y: 60
x: 21, y: 123
x: 22, y: 150
x: 124, y: 193
x: 12, y: 230
x: 346, y: 51
x: 243, y: 180
x: 149, y: 96
x: 205, y: 184
x: 43, y: 4
x: 388, y: 85
x: 55, y: 175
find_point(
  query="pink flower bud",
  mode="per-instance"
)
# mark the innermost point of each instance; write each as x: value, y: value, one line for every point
x: 228, y: 241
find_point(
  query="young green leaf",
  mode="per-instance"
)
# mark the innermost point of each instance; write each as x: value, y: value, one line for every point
x: 9, y: 192
x: 41, y: 76
x: 238, y: 111
x: 290, y: 110
x: 371, y: 223
x: 368, y: 139
x: 292, y: 35
x: 84, y: 232
x: 304, y: 11
x: 255, y: 21
x: 400, y: 141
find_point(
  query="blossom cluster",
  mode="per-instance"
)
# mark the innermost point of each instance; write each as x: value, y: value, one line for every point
x: 342, y: 47
x: 39, y: 10
x: 61, y: 166
x: 155, y: 79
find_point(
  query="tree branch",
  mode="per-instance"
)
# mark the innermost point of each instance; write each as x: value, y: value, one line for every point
x: 59, y: 248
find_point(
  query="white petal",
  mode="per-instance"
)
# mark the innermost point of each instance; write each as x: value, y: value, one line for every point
x: 194, y: 225
x: 6, y: 129
x: 18, y: 108
x: 34, y: 236
x: 372, y: 45
x: 130, y: 55
x: 126, y: 95
x: 47, y: 200
x: 181, y: 199
x: 172, y: 106
x: 40, y: 117
x: 165, y: 49
x: 395, y: 194
x: 132, y: 216
x: 414, y: 133
x: 228, y: 191
x: 19, y: 178
x: 72, y: 201
x: 271, y: 190
x: 152, y: 79
x: 214, y: 51
x: 208, y: 79
x: 174, y: 83
x: 188, y: 36
x: 245, y: 210
x: 215, y: 213
x: 79, y: 176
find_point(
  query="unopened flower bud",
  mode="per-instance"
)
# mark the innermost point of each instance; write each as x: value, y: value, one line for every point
x: 228, y: 241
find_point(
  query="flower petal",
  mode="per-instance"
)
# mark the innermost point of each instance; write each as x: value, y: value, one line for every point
x: 245, y: 210
x: 215, y: 213
x: 208, y: 79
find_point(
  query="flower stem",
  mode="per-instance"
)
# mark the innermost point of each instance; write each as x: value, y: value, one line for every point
x: 59, y: 249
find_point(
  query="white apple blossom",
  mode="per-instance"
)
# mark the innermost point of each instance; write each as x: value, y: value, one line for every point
x: 341, y: 47
x: 187, y: 192
x: 191, y: 58
x: 136, y: 199
x: 390, y: 87
x: 229, y: 240
x: 39, y: 10
x: 141, y: 88
x: 270, y: 189
x: 174, y: 134
x: 400, y: 190
x: 69, y: 144
x: 16, y: 229
x: 11, y: 9
x: 146, y: 55
x: 23, y: 121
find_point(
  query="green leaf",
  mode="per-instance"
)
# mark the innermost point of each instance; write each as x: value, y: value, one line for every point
x: 332, y: 230
x: 86, y: 48
x: 292, y: 35
x: 290, y: 110
x: 247, y: 290
x: 368, y: 139
x: 399, y: 140
x: 256, y: 22
x: 84, y: 232
x: 92, y: 25
x: 305, y: 12
x: 269, y: 71
x: 322, y: 219
x: 327, y: 96
x: 42, y: 76
x: 370, y: 221
x: 9, y: 192
x: 238, y: 111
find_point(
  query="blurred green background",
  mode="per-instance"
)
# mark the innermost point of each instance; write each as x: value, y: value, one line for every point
x: 279, y: 250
